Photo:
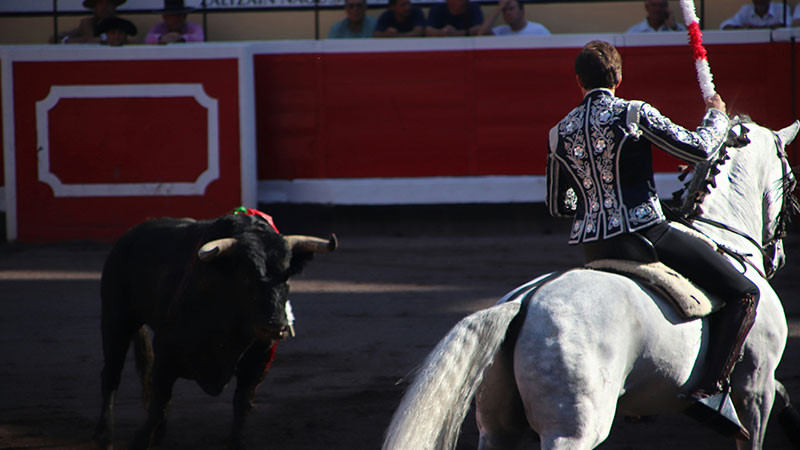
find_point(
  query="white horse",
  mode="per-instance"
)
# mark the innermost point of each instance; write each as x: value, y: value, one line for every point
x: 593, y: 344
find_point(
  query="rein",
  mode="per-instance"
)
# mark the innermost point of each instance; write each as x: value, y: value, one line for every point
x: 789, y: 204
x: 741, y: 257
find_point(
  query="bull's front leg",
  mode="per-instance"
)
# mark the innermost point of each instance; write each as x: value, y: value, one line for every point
x: 164, y: 377
x: 249, y: 373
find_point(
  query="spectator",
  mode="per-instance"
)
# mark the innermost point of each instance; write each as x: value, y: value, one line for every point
x: 356, y: 25
x: 116, y: 31
x: 658, y: 18
x: 85, y: 33
x: 516, y: 24
x: 761, y: 14
x: 402, y: 19
x: 174, y: 28
x: 796, y: 16
x: 454, y: 18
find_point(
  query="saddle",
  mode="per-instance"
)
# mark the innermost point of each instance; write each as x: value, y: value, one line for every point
x: 634, y: 256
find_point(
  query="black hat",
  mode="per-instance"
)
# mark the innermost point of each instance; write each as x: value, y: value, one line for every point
x: 89, y: 4
x: 115, y: 23
x: 175, y: 7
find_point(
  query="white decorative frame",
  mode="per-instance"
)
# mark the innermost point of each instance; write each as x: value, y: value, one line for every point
x: 193, y: 90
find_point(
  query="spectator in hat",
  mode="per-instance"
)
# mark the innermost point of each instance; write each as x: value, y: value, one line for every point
x: 174, y: 28
x: 116, y: 31
x: 85, y: 33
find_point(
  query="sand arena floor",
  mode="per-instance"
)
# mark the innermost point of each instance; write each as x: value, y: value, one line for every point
x: 366, y: 315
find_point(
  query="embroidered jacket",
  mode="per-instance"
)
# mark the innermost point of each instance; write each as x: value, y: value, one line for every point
x: 600, y: 168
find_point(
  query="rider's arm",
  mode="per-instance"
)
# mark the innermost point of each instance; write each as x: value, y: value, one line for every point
x: 692, y: 146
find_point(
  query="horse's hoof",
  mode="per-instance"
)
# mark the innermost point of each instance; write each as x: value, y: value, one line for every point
x: 742, y: 434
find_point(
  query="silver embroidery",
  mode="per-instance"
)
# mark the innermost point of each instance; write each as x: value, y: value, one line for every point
x: 666, y: 126
x: 571, y: 200
x: 605, y: 111
x: 644, y: 213
x: 571, y: 130
x: 572, y: 122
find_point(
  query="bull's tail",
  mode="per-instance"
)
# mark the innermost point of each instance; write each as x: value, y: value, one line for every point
x: 431, y: 412
x: 788, y: 416
x: 143, y: 353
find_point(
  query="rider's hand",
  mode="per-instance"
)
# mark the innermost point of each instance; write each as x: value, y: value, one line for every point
x: 715, y: 101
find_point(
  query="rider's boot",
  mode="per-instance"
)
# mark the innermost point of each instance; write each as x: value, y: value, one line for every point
x: 728, y: 332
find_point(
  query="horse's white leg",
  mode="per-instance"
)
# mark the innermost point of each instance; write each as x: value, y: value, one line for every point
x: 569, y: 389
x: 753, y: 404
x: 753, y: 379
x: 499, y: 410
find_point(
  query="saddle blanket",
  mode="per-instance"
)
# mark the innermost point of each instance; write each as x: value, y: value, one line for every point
x: 689, y: 301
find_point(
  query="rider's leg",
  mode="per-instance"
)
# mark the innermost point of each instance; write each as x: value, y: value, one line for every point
x: 712, y: 272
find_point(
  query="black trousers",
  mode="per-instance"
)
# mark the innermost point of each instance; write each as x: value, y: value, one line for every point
x: 701, y: 264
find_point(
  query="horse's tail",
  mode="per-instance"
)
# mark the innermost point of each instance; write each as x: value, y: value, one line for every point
x: 143, y: 353
x: 431, y: 412
x: 788, y: 416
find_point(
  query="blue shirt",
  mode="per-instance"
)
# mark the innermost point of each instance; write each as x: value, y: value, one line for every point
x: 387, y: 19
x: 439, y: 17
x: 341, y: 29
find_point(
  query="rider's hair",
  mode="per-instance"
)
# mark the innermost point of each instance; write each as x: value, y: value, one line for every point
x: 599, y: 65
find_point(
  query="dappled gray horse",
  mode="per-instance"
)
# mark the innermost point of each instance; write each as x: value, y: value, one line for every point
x: 592, y: 344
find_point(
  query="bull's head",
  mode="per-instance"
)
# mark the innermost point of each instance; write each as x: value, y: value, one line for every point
x: 273, y: 266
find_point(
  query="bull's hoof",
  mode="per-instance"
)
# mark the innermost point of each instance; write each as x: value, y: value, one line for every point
x: 102, y: 439
x: 103, y: 445
x: 235, y: 442
x: 141, y: 441
x: 236, y: 445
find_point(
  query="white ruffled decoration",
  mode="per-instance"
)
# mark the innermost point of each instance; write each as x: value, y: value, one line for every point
x: 689, y: 14
x: 704, y: 77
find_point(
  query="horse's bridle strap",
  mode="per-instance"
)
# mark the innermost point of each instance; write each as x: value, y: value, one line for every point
x: 732, y: 230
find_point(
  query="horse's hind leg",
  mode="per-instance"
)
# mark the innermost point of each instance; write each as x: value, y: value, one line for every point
x: 570, y: 399
x: 117, y: 334
x: 499, y: 410
x: 753, y: 398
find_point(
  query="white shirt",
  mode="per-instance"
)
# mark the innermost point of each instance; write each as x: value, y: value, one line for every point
x: 530, y: 29
x: 796, y: 15
x: 747, y: 17
x: 644, y: 27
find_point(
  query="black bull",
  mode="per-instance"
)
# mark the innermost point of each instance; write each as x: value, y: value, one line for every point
x: 214, y: 293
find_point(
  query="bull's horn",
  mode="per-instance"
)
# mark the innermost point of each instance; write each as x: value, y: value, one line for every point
x: 212, y: 249
x: 311, y: 244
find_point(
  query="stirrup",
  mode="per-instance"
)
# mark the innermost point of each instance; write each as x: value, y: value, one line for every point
x: 717, y: 412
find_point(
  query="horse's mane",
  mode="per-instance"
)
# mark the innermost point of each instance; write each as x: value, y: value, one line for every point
x: 689, y: 199
x: 687, y: 203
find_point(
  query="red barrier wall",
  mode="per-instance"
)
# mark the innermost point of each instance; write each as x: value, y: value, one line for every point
x: 398, y: 121
x: 485, y: 112
x: 103, y: 144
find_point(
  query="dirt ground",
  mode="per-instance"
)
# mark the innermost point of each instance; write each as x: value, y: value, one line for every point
x: 366, y: 315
